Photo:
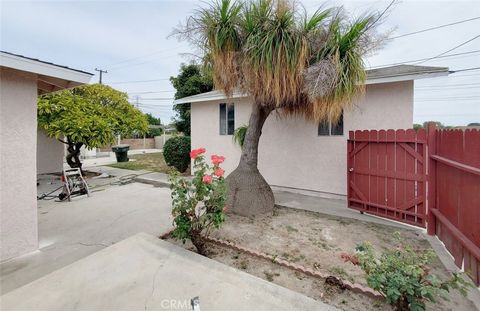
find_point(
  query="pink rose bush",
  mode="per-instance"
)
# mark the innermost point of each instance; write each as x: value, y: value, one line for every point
x: 216, y: 159
x: 198, y: 205
x: 196, y: 152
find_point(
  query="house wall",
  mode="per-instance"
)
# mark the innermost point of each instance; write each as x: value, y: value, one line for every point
x: 18, y: 136
x: 50, y: 154
x: 291, y: 154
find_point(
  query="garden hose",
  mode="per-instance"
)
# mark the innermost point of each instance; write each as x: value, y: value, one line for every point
x: 48, y: 196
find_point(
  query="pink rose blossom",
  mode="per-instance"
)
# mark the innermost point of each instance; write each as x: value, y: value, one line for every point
x: 207, y: 179
x: 219, y: 172
x: 196, y: 152
x: 216, y: 159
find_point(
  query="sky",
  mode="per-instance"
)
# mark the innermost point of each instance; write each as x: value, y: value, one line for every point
x: 130, y: 39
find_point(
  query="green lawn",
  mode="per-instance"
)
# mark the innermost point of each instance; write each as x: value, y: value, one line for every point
x: 149, y: 161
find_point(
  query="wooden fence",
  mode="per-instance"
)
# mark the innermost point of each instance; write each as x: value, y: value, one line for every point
x: 454, y: 195
x: 423, y: 178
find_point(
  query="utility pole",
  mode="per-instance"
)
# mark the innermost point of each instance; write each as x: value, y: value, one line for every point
x: 101, y: 72
x: 136, y: 101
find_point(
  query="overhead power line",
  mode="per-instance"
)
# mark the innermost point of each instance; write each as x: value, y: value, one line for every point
x: 158, y: 98
x: 143, y: 56
x: 416, y: 60
x: 466, y: 69
x: 434, y: 28
x: 138, y: 81
x: 152, y: 92
x: 447, y: 51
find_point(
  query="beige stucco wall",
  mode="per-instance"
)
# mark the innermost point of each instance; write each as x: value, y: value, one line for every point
x: 291, y: 154
x: 50, y: 154
x: 18, y: 135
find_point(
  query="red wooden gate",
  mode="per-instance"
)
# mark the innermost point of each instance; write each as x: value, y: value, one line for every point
x: 387, y: 174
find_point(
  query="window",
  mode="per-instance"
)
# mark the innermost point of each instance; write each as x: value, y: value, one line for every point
x: 227, y: 119
x: 326, y: 128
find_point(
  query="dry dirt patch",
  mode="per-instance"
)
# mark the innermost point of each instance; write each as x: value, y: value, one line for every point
x: 316, y: 241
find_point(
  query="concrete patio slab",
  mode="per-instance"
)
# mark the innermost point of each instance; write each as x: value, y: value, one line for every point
x: 69, y: 231
x: 145, y: 273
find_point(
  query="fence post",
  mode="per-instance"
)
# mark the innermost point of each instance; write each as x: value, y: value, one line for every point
x: 431, y: 174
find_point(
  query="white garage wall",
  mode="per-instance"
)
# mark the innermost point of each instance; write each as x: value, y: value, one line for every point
x: 50, y: 154
x: 18, y: 136
x: 291, y: 154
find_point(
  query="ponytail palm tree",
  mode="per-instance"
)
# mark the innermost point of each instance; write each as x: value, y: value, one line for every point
x: 288, y: 62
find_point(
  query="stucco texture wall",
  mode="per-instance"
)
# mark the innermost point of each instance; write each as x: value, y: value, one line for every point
x: 50, y: 154
x: 18, y: 136
x: 291, y: 154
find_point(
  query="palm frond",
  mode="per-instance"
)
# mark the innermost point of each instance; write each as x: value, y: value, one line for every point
x: 299, y: 64
x: 219, y: 26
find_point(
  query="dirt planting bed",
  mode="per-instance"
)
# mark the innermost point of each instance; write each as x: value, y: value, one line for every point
x: 316, y: 241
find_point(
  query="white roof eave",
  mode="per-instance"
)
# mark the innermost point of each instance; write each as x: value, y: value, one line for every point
x: 40, y: 68
x: 414, y: 76
x: 220, y: 95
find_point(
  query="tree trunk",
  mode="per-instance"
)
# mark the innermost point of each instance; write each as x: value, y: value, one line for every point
x: 249, y: 194
x: 73, y: 156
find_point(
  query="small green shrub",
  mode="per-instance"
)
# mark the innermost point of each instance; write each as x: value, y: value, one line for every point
x: 198, y: 206
x: 152, y: 132
x: 176, y: 152
x: 401, y: 274
x: 239, y: 135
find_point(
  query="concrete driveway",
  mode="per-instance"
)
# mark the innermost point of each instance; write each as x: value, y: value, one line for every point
x: 146, y: 273
x: 69, y: 231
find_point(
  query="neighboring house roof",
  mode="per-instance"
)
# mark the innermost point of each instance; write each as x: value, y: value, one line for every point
x: 51, y: 77
x: 374, y: 76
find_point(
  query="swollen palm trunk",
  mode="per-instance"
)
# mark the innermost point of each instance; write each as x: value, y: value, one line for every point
x: 249, y: 194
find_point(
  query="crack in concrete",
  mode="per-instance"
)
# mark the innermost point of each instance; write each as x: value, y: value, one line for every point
x: 117, y: 219
x: 93, y: 244
x: 153, y: 286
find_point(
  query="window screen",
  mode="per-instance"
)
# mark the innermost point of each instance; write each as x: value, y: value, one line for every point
x: 227, y: 119
x: 337, y: 128
x: 326, y: 128
x: 230, y: 119
x: 223, y: 119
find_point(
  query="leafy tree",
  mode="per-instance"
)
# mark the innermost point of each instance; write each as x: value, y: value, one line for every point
x: 191, y: 80
x: 437, y: 123
x: 152, y: 132
x: 417, y: 126
x: 153, y: 120
x: 474, y: 124
x: 90, y: 116
x: 287, y: 62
